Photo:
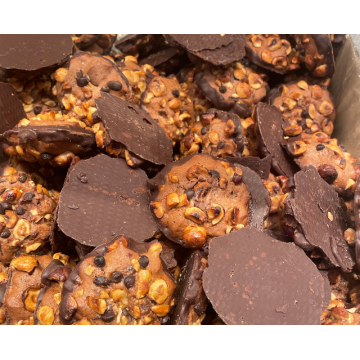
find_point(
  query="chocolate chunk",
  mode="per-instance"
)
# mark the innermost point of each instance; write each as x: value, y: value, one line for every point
x: 129, y: 281
x: 116, y: 277
x: 143, y: 261
x: 115, y: 200
x: 321, y: 216
x: 189, y: 294
x: 254, y: 279
x: 114, y: 85
x: 101, y: 281
x: 134, y: 128
x: 159, y: 57
x: 26, y: 54
x: 270, y: 126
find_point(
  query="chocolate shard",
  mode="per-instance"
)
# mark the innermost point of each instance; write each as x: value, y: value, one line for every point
x: 139, y: 44
x: 190, y: 299
x: 253, y: 279
x: 260, y: 166
x: 322, y: 217
x: 357, y: 221
x: 26, y: 54
x: 213, y: 48
x: 271, y: 124
x: 159, y: 57
x: 134, y: 128
x: 114, y: 200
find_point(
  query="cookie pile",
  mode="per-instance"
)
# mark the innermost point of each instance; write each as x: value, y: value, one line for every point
x: 175, y: 180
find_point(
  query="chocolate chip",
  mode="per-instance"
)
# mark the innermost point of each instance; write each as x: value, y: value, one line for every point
x: 129, y: 281
x: 190, y: 193
x: 199, y: 309
x: 215, y: 174
x: 237, y: 179
x: 22, y: 177
x: 28, y: 196
x: 99, y: 261
x: 101, y: 281
x: 37, y: 110
x: 81, y: 82
x: 302, y: 52
x: 105, y: 89
x: 6, y: 206
x: 320, y: 147
x: 222, y: 89
x: 46, y: 156
x: 20, y: 210
x: 114, y: 85
x: 176, y: 93
x: 304, y: 114
x: 221, y: 144
x: 108, y: 315
x: 5, y: 233
x: 164, y: 320
x: 130, y: 270
x: 116, y: 277
x: 143, y: 261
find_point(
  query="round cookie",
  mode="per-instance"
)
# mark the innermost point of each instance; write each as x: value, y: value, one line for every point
x: 24, y: 287
x: 94, y: 43
x: 308, y: 108
x: 234, y: 88
x: 218, y: 133
x: 169, y: 105
x: 253, y: 279
x: 201, y: 197
x: 49, y: 138
x: 26, y: 214
x: 87, y: 75
x: 121, y: 282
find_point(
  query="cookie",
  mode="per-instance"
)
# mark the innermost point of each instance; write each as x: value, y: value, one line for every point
x: 215, y: 49
x: 190, y: 299
x: 26, y: 215
x: 234, y: 88
x: 82, y: 82
x: 201, y: 197
x: 49, y: 139
x: 121, y: 282
x: 322, y: 221
x: 308, y: 108
x: 139, y: 45
x: 171, y: 107
x: 217, y: 133
x: 131, y: 129
x: 94, y: 43
x: 104, y: 198
x: 24, y: 287
x: 29, y: 55
x: 253, y: 279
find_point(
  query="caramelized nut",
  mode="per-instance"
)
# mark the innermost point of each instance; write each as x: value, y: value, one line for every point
x: 158, y: 291
x: 194, y: 236
x: 157, y: 87
x: 293, y: 130
x: 243, y: 90
x: 45, y: 315
x: 98, y: 305
x: 195, y: 214
x: 24, y: 263
x: 215, y: 213
x: 172, y: 200
x: 30, y: 298
x: 157, y: 209
x: 160, y: 310
x: 326, y: 108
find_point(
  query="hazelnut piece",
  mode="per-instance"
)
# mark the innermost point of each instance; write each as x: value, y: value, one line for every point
x: 317, y: 92
x: 293, y: 130
x: 24, y: 263
x: 158, y: 291
x: 255, y: 81
x: 30, y: 298
x: 326, y: 108
x: 157, y: 87
x: 215, y: 213
x: 172, y: 200
x: 195, y: 171
x: 243, y: 90
x: 45, y: 315
x: 157, y: 209
x: 98, y: 305
x: 195, y: 214
x: 194, y: 236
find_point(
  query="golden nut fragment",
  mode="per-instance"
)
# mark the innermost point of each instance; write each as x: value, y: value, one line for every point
x: 274, y: 43
x: 3, y: 277
x: 215, y: 213
x: 142, y: 289
x: 194, y: 236
x: 157, y: 209
x: 119, y: 295
x: 45, y: 315
x: 157, y: 87
x: 175, y: 104
x: 312, y: 111
x: 145, y: 275
x: 293, y: 130
x: 349, y: 235
x: 326, y: 108
x: 10, y: 196
x: 60, y: 74
x: 299, y: 148
x: 234, y: 216
x: 98, y: 305
x: 287, y: 46
x: 266, y: 56
x: 183, y: 201
x: 173, y: 178
x: 160, y: 310
x: 195, y: 171
x: 317, y: 92
x: 158, y: 291
x: 195, y: 214
x: 223, y: 183
x: 320, y: 71
x: 239, y: 74
x: 303, y: 85
x: 290, y: 103
x: 12, y: 219
x: 296, y: 95
x: 280, y: 62
x: 340, y: 313
x: 30, y: 298
x: 155, y: 248
x: 243, y: 90
x: 255, y: 80
x: 22, y: 230
x: 57, y: 298
x: 257, y: 40
x: 24, y: 263
x: 172, y: 200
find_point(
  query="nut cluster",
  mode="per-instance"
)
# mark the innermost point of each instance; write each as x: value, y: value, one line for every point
x: 94, y: 43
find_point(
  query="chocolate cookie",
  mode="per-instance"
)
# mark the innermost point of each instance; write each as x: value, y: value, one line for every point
x: 170, y: 106
x: 308, y: 108
x: 26, y: 214
x: 213, y: 48
x: 139, y: 44
x: 333, y: 163
x: 121, y: 282
x: 24, y: 287
x: 25, y: 55
x: 47, y: 306
x: 234, y: 88
x: 94, y: 43
x: 127, y: 127
x: 49, y: 139
x: 103, y: 198
x: 4, y: 279
x: 190, y: 299
x: 270, y: 129
x: 87, y: 75
x: 218, y: 133
x: 253, y: 279
x: 201, y: 197
x: 321, y: 217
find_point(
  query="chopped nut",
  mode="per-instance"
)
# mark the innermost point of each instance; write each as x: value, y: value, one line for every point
x: 98, y: 305
x: 303, y: 85
x: 173, y: 178
x: 234, y: 216
x: 299, y: 147
x: 290, y: 103
x: 175, y: 104
x: 257, y: 40
x: 349, y: 235
x: 293, y: 130
x: 22, y: 229
x: 194, y: 236
x: 160, y: 310
x: 157, y: 87
x: 350, y: 183
x: 296, y: 95
x: 280, y: 62
x: 266, y: 56
x: 24, y: 263
x: 326, y: 108
x: 45, y: 315
x: 172, y: 200
x: 330, y: 216
x: 158, y: 291
x: 155, y: 248
x: 255, y: 80
x: 317, y: 92
x: 30, y: 298
x: 340, y: 313
x: 60, y: 74
x: 57, y: 298
x: 195, y: 171
x: 141, y: 289
x: 243, y: 90
x: 157, y: 209
x: 90, y: 269
x: 195, y: 214
x: 32, y: 247
x: 215, y: 213
x: 223, y: 183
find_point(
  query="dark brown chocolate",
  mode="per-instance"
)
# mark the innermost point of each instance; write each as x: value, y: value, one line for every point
x: 260, y: 166
x: 253, y: 279
x: 357, y: 221
x: 139, y: 44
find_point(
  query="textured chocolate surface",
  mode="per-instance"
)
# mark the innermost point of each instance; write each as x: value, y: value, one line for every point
x: 270, y: 126
x: 134, y: 128
x: 260, y: 166
x: 28, y: 53
x: 322, y: 217
x: 139, y: 44
x: 254, y: 279
x: 104, y: 198
x: 357, y: 221
x: 159, y: 57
